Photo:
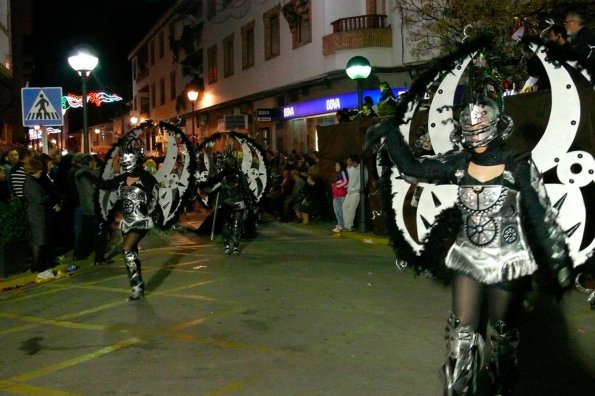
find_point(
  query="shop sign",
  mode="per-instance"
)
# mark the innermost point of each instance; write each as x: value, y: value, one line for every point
x: 233, y: 122
x: 331, y: 104
x: 264, y: 115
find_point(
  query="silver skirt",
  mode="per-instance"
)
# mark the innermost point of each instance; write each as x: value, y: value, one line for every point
x: 490, y: 265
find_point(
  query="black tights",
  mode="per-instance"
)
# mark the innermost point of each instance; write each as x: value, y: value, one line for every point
x: 504, y: 302
x: 131, y: 240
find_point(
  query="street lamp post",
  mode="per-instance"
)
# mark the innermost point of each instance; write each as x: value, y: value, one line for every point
x: 358, y: 68
x: 97, y: 132
x: 192, y: 96
x: 84, y: 63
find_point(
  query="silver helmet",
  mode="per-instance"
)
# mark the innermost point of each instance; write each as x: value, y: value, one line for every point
x: 479, y: 124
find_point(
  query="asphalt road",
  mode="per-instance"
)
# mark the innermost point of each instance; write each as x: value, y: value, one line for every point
x: 301, y: 311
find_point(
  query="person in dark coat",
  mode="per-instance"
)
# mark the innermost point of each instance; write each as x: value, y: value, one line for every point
x: 64, y: 222
x: 582, y: 40
x: 55, y: 203
x: 86, y: 192
x: 38, y: 210
x: 312, y: 200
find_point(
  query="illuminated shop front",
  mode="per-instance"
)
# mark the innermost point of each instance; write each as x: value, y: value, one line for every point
x: 299, y: 130
x: 42, y: 138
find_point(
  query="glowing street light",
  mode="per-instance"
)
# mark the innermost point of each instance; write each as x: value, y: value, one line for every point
x: 192, y: 96
x: 83, y: 63
x: 358, y: 68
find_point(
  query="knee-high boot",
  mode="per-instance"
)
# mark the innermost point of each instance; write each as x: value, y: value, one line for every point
x: 464, y: 358
x: 226, y: 232
x: 236, y: 235
x: 503, y: 363
x: 133, y: 267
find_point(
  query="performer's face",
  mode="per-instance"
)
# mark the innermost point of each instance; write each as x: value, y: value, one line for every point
x: 480, y: 149
x: 128, y: 162
x: 479, y: 125
x: 474, y: 134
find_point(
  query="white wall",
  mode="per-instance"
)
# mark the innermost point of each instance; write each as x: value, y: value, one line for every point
x: 292, y: 66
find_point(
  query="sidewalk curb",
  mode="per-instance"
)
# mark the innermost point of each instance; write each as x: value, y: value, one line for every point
x: 26, y: 279
x: 364, y: 237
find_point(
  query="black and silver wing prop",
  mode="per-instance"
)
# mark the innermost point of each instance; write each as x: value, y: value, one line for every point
x: 175, y: 177
x: 252, y: 164
x: 573, y: 169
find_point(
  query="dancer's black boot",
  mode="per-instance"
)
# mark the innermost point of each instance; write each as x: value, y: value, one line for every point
x: 464, y: 359
x: 133, y: 267
x: 503, y: 363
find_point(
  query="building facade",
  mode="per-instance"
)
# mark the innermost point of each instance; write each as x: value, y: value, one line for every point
x: 16, y: 65
x: 273, y: 69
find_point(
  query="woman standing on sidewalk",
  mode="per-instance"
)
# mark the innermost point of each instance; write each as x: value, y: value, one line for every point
x: 339, y: 191
x: 39, y: 208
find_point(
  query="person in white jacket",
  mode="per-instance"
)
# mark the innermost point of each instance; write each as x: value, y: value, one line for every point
x: 353, y: 191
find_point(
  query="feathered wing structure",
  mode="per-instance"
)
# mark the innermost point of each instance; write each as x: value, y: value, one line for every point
x: 175, y: 179
x: 252, y: 164
x: 436, y: 217
x: 403, y: 250
x: 407, y: 251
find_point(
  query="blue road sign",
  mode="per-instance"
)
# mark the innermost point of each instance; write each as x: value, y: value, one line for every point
x: 42, y: 106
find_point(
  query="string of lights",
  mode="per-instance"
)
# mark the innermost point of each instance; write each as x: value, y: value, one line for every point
x: 97, y: 98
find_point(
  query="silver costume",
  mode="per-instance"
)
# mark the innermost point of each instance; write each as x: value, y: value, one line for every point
x: 136, y: 207
x: 133, y: 268
x: 491, y: 246
x: 464, y: 359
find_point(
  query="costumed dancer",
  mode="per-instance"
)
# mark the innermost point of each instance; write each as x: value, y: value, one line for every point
x: 231, y: 185
x: 145, y: 200
x: 234, y: 201
x: 501, y: 201
x: 137, y: 192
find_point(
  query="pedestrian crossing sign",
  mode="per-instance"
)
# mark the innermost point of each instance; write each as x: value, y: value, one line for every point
x: 42, y: 106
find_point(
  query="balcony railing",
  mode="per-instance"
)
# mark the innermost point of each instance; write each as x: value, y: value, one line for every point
x: 363, y: 31
x: 372, y: 21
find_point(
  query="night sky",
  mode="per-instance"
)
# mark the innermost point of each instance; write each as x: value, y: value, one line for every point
x: 112, y: 27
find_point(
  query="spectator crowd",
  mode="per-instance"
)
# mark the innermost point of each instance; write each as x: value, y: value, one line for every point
x: 301, y: 193
x: 58, y: 203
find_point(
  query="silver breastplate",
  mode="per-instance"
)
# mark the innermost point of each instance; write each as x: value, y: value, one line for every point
x: 489, y: 214
x: 134, y: 208
x: 491, y: 245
